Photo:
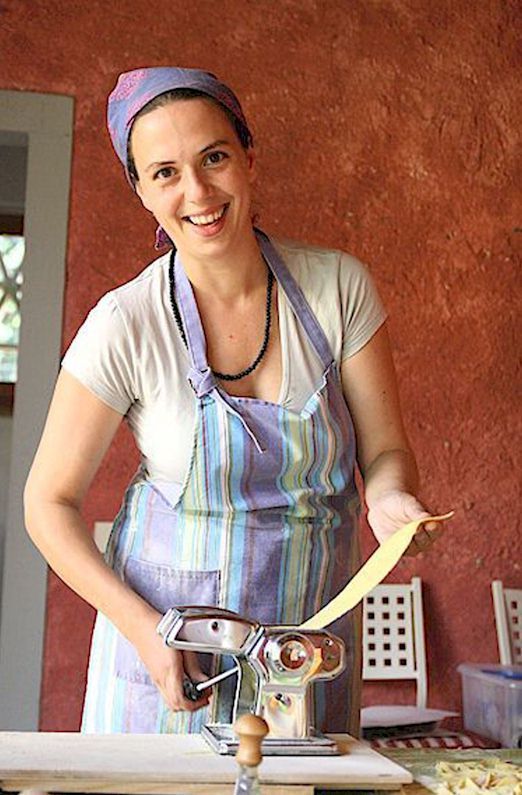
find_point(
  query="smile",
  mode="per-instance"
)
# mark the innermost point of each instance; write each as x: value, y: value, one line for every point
x: 206, y: 219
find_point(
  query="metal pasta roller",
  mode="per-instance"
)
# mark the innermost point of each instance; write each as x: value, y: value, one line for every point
x: 275, y: 666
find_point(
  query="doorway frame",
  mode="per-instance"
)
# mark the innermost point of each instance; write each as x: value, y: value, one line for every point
x: 47, y: 120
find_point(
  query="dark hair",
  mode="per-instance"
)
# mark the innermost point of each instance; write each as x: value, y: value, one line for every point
x: 242, y: 132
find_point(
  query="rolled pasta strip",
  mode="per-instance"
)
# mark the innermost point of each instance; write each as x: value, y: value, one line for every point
x: 371, y: 574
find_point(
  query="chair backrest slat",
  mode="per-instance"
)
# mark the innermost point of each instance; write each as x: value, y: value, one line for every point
x: 507, y: 603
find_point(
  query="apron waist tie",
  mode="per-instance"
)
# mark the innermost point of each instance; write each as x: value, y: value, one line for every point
x: 204, y: 383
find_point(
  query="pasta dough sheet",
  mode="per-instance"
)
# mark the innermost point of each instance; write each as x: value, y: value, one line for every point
x: 371, y: 574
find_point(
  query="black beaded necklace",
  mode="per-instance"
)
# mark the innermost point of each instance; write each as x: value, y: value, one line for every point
x: 268, y: 321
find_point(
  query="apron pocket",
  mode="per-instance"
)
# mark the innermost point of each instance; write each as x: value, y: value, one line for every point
x: 162, y: 587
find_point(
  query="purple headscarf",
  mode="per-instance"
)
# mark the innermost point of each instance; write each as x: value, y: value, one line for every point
x: 135, y: 89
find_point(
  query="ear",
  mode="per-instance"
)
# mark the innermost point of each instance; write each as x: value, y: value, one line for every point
x: 251, y: 164
x: 142, y: 195
x: 139, y: 193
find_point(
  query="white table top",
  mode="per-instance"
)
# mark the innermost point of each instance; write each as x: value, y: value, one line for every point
x: 154, y: 763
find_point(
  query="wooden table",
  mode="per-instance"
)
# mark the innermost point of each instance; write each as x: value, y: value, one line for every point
x: 177, y: 765
x: 184, y: 765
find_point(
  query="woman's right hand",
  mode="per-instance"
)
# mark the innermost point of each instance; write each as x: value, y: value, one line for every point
x: 168, y: 668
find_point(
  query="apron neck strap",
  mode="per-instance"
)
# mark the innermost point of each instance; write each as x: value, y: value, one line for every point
x: 190, y: 317
x: 297, y: 300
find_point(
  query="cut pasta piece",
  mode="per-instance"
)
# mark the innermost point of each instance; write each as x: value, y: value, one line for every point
x: 479, y: 778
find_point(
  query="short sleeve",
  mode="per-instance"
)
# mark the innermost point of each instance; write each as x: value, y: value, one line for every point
x: 363, y: 311
x: 101, y: 356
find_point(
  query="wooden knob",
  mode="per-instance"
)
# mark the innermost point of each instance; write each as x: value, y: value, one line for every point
x: 250, y: 729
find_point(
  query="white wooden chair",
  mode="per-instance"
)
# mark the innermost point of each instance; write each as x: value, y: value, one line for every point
x: 507, y: 603
x: 394, y: 649
x: 393, y: 635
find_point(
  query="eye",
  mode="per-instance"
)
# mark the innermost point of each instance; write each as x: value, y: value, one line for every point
x: 165, y: 173
x: 215, y: 158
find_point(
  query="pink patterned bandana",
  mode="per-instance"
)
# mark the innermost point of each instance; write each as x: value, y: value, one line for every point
x: 135, y: 89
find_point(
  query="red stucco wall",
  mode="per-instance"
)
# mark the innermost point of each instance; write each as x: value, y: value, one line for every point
x: 388, y: 129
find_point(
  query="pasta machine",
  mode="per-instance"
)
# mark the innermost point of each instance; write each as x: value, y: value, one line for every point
x: 275, y: 667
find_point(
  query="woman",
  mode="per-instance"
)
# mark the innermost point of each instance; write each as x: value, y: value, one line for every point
x: 247, y: 370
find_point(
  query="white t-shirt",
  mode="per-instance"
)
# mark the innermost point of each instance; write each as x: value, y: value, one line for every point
x: 129, y: 352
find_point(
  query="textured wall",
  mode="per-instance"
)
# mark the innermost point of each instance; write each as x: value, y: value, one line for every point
x: 388, y: 129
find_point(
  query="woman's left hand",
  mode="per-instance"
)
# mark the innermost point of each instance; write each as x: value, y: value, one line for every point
x: 391, y: 510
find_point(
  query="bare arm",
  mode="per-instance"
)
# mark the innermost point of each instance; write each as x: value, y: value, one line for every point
x: 78, y: 432
x: 385, y: 457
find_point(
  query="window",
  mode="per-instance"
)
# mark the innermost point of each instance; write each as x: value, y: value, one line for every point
x: 12, y: 249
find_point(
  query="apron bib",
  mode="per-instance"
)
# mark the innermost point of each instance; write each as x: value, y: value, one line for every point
x: 265, y: 524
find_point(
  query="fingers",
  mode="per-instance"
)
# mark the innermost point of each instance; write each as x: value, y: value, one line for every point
x: 168, y: 669
x: 425, y: 536
x: 428, y: 533
x: 176, y: 698
x: 192, y: 667
x: 392, y: 510
x: 195, y: 674
x: 170, y: 686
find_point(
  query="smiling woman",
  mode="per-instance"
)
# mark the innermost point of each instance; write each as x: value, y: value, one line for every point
x: 195, y: 177
x: 254, y: 375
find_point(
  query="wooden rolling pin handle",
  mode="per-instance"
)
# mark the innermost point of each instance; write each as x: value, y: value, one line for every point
x: 250, y: 729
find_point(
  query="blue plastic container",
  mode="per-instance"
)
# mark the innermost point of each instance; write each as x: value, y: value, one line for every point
x: 492, y: 701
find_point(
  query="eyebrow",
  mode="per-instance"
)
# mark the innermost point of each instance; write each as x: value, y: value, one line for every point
x: 205, y: 149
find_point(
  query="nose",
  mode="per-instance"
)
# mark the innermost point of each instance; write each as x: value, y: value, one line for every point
x: 196, y: 186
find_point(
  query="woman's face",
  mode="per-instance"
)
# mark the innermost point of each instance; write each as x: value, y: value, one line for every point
x: 194, y: 176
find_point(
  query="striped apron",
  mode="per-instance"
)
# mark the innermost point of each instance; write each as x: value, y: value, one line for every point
x: 265, y: 524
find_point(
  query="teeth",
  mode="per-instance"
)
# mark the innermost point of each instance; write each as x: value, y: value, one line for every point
x: 200, y: 220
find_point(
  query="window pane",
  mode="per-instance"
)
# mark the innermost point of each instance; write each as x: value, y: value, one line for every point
x: 12, y: 250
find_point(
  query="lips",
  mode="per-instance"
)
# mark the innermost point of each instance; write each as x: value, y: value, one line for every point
x: 208, y: 224
x: 207, y: 218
